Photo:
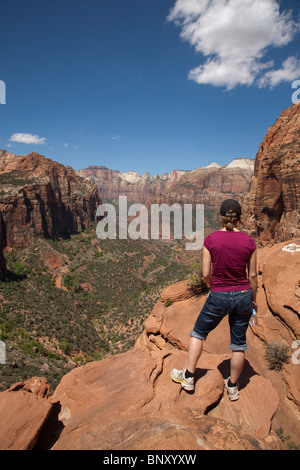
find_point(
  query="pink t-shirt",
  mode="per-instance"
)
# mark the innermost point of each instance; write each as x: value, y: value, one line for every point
x: 230, y: 252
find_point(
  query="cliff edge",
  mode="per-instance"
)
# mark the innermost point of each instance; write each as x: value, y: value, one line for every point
x: 129, y: 402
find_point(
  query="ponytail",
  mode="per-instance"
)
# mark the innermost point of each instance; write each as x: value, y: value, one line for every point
x: 229, y: 222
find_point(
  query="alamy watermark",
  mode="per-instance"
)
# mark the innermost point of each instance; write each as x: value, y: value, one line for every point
x: 296, y: 94
x: 154, y: 222
x: 2, y: 353
x: 2, y: 92
x: 296, y: 353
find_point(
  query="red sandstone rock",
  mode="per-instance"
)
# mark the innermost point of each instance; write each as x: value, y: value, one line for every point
x: 280, y: 275
x: 278, y: 289
x: 42, y: 197
x: 175, y: 292
x: 252, y: 415
x: 254, y: 410
x: 274, y: 206
x: 24, y: 408
x: 36, y: 385
x: 163, y: 416
x: 128, y: 402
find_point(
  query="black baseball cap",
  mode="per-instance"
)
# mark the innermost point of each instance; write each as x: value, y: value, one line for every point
x: 230, y: 208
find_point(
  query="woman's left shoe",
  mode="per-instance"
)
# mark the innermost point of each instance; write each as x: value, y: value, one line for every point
x: 179, y: 377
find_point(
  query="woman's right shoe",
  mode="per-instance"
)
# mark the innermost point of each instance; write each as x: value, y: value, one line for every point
x: 233, y: 392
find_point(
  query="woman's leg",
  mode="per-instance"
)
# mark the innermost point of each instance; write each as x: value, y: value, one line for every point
x: 194, y: 353
x: 236, y: 365
x: 210, y: 316
x: 239, y: 321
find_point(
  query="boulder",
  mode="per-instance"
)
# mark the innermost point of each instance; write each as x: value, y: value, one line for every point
x: 280, y: 268
x: 175, y: 292
x: 24, y: 408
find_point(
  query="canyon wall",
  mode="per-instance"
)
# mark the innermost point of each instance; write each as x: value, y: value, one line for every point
x: 274, y: 206
x: 41, y: 197
x: 205, y: 185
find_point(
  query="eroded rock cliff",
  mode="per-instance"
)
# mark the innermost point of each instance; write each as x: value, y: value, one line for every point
x: 274, y: 206
x: 41, y: 197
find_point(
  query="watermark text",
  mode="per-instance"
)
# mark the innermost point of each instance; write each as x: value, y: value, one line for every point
x: 2, y: 353
x: 296, y: 353
x: 2, y: 92
x: 159, y: 221
x: 296, y: 94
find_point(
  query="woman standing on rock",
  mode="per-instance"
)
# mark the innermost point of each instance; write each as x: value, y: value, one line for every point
x: 233, y: 281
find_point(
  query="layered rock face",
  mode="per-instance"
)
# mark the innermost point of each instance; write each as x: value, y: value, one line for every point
x: 3, y: 271
x: 208, y: 185
x: 41, y: 197
x: 112, y: 183
x: 2, y: 265
x: 129, y: 402
x: 274, y: 206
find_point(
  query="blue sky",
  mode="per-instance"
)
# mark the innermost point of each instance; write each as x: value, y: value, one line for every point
x: 144, y: 85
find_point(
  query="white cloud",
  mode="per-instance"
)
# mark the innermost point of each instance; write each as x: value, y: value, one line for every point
x: 116, y: 137
x: 67, y: 145
x: 290, y: 71
x: 27, y: 139
x: 234, y: 36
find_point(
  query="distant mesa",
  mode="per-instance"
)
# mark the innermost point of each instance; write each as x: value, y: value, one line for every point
x: 213, y: 165
x: 97, y: 167
x: 246, y: 163
x: 203, y: 185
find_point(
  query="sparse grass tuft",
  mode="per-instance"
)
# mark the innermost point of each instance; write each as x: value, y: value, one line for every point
x: 277, y: 355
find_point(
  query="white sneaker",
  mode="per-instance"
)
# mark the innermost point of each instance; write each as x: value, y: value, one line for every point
x: 179, y: 377
x: 233, y: 392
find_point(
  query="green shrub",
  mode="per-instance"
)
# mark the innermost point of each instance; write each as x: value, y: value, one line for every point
x: 286, y: 440
x: 196, y: 281
x: 277, y: 355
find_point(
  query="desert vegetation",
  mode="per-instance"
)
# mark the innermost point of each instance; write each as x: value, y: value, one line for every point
x: 74, y: 300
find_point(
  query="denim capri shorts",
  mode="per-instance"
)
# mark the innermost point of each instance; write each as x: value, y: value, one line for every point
x: 236, y: 304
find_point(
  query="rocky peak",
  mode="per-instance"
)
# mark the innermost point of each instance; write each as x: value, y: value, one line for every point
x: 42, y: 197
x: 245, y: 163
x: 274, y: 207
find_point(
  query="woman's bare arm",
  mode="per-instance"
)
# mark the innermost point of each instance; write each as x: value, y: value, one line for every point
x: 252, y: 276
x: 206, y: 266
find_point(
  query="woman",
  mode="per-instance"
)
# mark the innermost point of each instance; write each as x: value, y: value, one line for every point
x: 233, y: 281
